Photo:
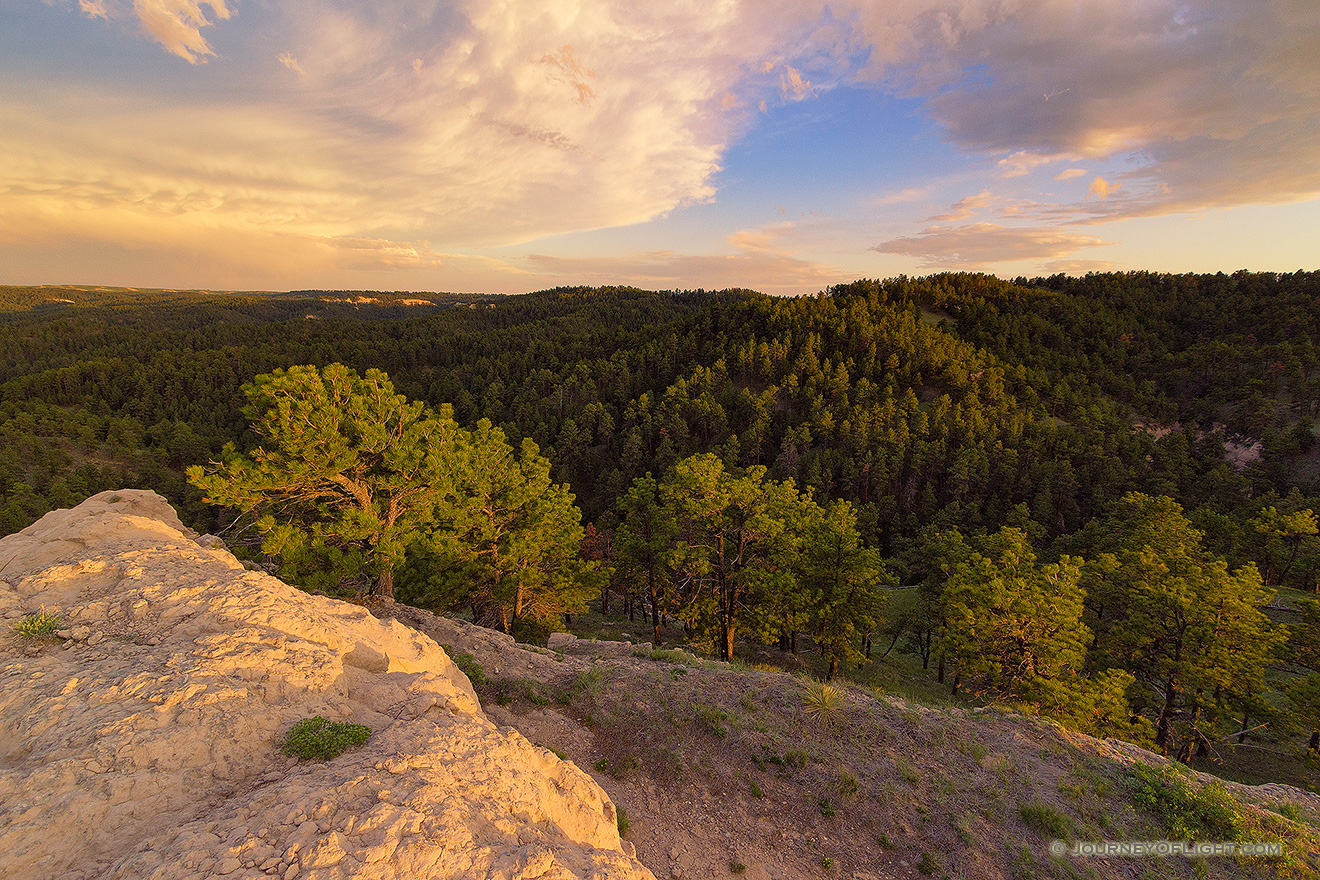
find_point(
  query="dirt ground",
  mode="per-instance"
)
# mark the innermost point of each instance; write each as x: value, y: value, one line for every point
x: 721, y: 770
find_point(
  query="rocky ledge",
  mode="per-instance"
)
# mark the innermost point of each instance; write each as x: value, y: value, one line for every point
x: 141, y: 740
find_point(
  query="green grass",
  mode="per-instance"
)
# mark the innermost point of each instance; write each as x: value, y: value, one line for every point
x: 712, y: 718
x: 621, y: 820
x: 39, y: 625
x: 1044, y: 818
x: 317, y: 738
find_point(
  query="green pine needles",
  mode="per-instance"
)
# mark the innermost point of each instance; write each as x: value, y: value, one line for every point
x: 317, y: 738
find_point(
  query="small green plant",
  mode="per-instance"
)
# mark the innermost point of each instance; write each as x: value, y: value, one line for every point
x: 826, y: 808
x: 39, y: 625
x: 826, y: 862
x: 469, y: 666
x: 588, y: 682
x: 907, y: 771
x: 712, y: 719
x: 319, y: 738
x: 928, y: 865
x: 1207, y: 813
x: 756, y: 790
x: 847, y: 783
x: 621, y: 820
x: 736, y: 867
x: 883, y: 840
x: 1044, y: 818
x: 822, y: 702
x: 1289, y: 811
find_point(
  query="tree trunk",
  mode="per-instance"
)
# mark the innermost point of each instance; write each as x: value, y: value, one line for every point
x: 940, y: 675
x: 1242, y: 737
x: 792, y: 641
x: 605, y: 599
x: 1166, y: 717
x: 384, y: 590
x: 727, y: 640
x: 834, y: 668
x: 655, y: 610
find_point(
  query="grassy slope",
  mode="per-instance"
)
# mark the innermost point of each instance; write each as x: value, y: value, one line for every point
x: 720, y: 766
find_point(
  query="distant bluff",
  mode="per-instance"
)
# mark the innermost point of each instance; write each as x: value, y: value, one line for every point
x: 143, y: 740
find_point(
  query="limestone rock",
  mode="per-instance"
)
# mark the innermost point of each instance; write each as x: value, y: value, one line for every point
x: 156, y: 754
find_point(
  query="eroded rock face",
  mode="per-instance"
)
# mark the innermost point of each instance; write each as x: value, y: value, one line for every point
x: 144, y: 742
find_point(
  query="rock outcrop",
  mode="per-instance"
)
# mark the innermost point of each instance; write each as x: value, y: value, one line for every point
x: 142, y: 741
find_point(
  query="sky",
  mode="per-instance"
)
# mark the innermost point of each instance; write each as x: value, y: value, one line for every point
x: 506, y: 146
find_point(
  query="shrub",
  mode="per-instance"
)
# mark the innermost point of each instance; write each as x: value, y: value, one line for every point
x: 736, y: 867
x: 469, y: 667
x: 826, y: 808
x: 318, y: 738
x: 39, y: 625
x: 822, y: 702
x: 621, y: 820
x: 928, y: 865
x: 826, y: 862
x: 756, y: 790
x: 1207, y: 813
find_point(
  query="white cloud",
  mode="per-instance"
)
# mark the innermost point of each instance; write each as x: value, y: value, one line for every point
x: 477, y: 123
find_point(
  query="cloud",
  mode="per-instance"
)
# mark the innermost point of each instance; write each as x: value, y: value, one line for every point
x: 1101, y: 188
x: 476, y: 123
x: 1213, y: 99
x: 793, y: 87
x: 292, y: 63
x: 177, y: 24
x: 565, y: 67
x: 965, y: 208
x: 984, y: 244
x: 764, y: 261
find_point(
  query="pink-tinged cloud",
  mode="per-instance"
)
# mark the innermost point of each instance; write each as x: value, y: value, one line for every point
x: 291, y: 63
x: 177, y: 24
x: 764, y: 261
x: 1070, y: 173
x: 965, y: 208
x: 985, y: 244
x: 1101, y: 188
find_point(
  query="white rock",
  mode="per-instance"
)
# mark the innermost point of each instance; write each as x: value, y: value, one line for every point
x: 191, y: 724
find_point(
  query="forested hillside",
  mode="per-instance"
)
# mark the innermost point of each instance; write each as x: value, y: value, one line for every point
x: 1044, y: 471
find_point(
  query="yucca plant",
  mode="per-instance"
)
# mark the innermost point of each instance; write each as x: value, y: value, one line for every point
x: 823, y: 703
